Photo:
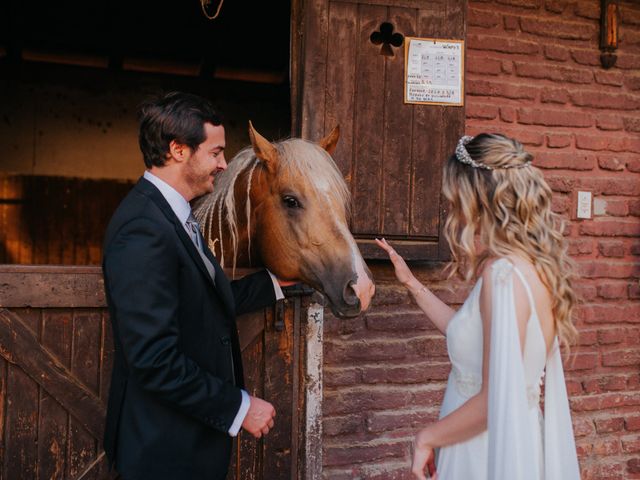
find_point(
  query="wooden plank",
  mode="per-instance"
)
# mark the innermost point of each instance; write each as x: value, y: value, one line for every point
x: 53, y: 421
x: 61, y: 288
x: 106, y: 357
x: 408, y: 249
x: 19, y: 345
x: 278, y: 391
x: 428, y: 128
x: 341, y: 80
x: 21, y: 456
x: 398, y: 117
x: 85, y: 361
x: 314, y: 71
x: 31, y: 317
x: 369, y: 124
x: 3, y: 416
x: 432, y: 4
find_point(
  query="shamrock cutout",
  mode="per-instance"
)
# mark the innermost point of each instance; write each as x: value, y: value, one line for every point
x: 386, y: 38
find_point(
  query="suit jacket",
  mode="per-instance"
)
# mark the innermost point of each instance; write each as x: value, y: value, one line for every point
x: 177, y: 372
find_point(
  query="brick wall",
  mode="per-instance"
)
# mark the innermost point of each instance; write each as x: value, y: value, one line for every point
x: 533, y: 72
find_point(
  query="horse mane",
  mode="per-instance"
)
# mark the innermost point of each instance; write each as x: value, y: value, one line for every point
x: 296, y: 156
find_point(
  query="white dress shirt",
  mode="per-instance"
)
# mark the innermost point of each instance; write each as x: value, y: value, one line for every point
x: 182, y: 209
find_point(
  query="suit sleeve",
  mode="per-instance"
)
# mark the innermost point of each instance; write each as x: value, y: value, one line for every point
x: 141, y: 269
x: 253, y: 292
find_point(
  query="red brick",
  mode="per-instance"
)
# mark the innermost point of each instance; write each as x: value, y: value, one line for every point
x: 631, y: 124
x: 633, y: 165
x: 582, y: 426
x: 621, y: 358
x: 343, y: 425
x: 614, y: 384
x: 507, y: 67
x: 482, y: 18
x: 350, y: 454
x: 554, y: 95
x: 632, y: 424
x: 580, y: 246
x: 565, y: 160
x: 559, y: 204
x: 499, y: 89
x: 588, y: 57
x: 484, y: 66
x: 532, y: 4
x: 501, y: 44
x: 630, y: 15
x: 555, y: 6
x: 557, y: 29
x: 611, y: 185
x: 558, y: 140
x: 511, y: 22
x: 631, y: 444
x: 606, y: 447
x: 611, y: 336
x: 586, y: 292
x: 384, y: 421
x: 608, y: 101
x: 611, y: 228
x: 617, y: 208
x: 422, y: 372
x: 634, y: 290
x: 600, y: 142
x: 483, y: 112
x: 628, y: 62
x: 556, y: 52
x: 609, y: 78
x: 582, y: 361
x: 553, y: 72
x: 632, y: 82
x: 611, y: 248
x: 588, y: 10
x: 610, y: 313
x: 338, y: 377
x: 609, y: 122
x: 554, y: 118
x: 400, y: 320
x: 633, y: 465
x: 612, y: 291
x: 363, y: 399
x: 508, y: 114
x: 608, y: 425
x: 612, y: 162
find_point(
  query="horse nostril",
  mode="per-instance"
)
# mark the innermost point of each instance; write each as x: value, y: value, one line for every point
x: 349, y: 295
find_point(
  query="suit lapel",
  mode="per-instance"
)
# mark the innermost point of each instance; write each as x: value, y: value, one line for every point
x: 221, y: 284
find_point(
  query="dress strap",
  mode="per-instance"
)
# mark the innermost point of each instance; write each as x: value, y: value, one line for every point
x: 527, y: 289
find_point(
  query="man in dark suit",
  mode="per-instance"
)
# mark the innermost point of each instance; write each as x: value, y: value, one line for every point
x: 176, y: 395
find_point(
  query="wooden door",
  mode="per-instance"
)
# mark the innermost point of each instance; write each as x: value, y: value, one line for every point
x: 55, y: 366
x: 390, y: 153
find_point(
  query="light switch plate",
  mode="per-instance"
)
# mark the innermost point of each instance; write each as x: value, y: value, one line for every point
x: 584, y: 205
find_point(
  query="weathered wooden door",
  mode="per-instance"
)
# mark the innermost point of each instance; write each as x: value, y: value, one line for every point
x: 390, y: 153
x: 55, y: 364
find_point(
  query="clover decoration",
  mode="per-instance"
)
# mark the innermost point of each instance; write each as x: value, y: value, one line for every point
x: 386, y: 38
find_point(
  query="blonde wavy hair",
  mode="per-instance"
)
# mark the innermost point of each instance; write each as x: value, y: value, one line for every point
x: 509, y: 206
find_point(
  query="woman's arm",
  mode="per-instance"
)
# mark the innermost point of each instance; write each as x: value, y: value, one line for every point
x: 435, y: 309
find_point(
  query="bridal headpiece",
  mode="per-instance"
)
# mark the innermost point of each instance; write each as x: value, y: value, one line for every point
x: 463, y: 156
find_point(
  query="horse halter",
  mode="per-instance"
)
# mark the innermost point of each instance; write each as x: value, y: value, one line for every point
x: 463, y: 157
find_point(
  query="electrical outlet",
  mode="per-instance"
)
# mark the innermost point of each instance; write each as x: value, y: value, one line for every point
x: 584, y: 205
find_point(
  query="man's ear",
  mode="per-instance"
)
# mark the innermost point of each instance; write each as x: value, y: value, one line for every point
x: 178, y: 151
x: 263, y: 149
x: 330, y: 142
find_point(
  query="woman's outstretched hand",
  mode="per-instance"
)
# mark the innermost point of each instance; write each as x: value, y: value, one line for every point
x: 403, y: 274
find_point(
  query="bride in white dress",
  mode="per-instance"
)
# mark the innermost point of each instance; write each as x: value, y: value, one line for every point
x: 503, y: 342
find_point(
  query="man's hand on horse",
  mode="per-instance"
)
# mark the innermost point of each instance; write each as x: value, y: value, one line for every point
x: 259, y: 419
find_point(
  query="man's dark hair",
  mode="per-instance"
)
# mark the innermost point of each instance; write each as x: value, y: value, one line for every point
x: 176, y: 116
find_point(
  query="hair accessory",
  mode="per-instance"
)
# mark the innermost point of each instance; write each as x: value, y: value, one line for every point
x: 463, y: 156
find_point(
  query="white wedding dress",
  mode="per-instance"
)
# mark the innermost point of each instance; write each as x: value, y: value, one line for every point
x: 519, y: 444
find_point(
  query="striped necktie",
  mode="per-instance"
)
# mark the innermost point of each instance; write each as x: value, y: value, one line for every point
x: 196, y: 237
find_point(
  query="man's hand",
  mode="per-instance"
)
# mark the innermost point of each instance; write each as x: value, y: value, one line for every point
x: 259, y: 419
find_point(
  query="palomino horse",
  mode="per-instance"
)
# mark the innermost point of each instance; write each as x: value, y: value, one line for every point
x: 285, y: 206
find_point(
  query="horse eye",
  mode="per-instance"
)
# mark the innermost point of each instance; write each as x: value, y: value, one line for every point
x: 291, y: 202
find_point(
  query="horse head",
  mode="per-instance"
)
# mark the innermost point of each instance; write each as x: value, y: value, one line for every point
x: 285, y: 206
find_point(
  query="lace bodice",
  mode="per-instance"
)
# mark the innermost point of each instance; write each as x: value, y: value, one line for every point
x: 465, y: 342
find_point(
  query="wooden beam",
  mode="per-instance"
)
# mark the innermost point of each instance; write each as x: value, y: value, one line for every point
x: 19, y: 346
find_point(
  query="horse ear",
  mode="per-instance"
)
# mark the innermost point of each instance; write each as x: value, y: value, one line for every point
x: 263, y: 149
x: 330, y: 141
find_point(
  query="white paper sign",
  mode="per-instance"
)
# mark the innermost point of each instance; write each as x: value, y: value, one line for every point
x: 434, y: 71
